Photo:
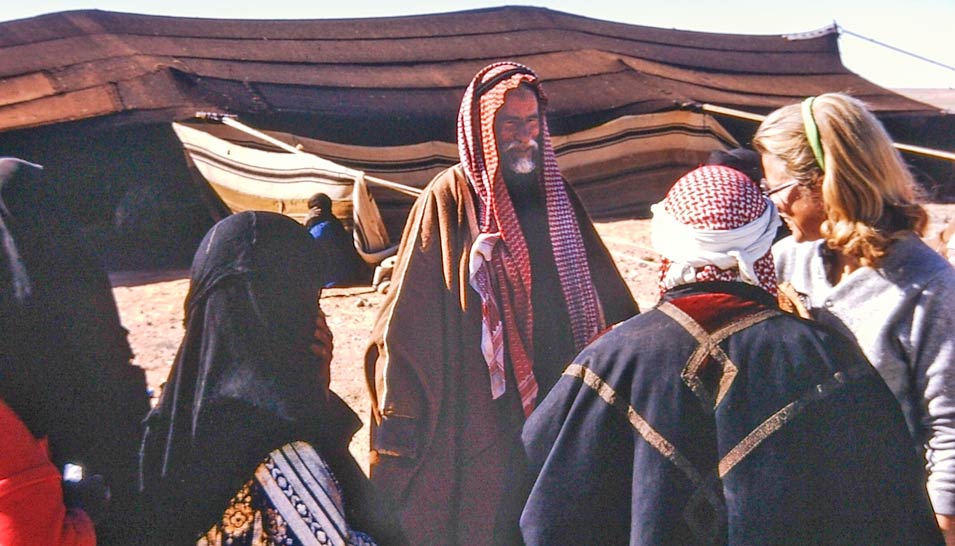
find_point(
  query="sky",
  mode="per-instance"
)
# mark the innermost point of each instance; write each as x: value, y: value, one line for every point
x: 925, y: 28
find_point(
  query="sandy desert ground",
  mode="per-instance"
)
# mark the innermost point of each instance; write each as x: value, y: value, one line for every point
x: 150, y: 305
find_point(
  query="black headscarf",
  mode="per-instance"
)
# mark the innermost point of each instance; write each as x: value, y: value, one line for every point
x: 64, y: 358
x: 743, y: 160
x: 244, y: 381
x: 319, y: 210
x: 58, y: 312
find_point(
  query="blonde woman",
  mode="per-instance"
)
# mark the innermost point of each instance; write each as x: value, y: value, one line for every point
x: 857, y: 259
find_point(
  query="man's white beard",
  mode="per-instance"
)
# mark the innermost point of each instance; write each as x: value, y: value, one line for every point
x: 522, y: 165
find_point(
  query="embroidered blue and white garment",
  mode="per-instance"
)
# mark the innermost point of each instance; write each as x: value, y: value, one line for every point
x: 293, y: 500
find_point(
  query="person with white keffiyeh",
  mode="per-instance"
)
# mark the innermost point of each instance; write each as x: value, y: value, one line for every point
x: 500, y: 279
x: 716, y: 417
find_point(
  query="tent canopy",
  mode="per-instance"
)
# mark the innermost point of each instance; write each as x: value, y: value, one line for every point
x: 91, y: 95
x: 397, y: 80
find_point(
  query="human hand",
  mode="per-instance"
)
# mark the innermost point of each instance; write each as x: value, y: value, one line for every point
x: 324, y: 342
x: 947, y: 525
x: 87, y: 492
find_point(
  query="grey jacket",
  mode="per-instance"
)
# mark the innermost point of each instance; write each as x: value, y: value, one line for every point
x: 902, y: 315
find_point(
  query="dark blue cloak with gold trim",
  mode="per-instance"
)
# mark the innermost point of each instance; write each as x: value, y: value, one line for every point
x: 715, y: 418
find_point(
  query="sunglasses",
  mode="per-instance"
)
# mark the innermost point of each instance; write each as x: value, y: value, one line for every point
x: 767, y: 191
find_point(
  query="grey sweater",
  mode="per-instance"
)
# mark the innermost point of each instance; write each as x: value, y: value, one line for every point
x: 902, y: 315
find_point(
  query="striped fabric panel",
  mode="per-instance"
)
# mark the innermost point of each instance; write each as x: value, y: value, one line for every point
x: 306, y: 495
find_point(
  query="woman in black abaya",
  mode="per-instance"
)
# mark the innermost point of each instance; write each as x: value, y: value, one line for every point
x: 247, y: 443
x: 65, y: 365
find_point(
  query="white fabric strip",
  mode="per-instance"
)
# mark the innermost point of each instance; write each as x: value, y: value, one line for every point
x: 480, y: 257
x: 689, y: 248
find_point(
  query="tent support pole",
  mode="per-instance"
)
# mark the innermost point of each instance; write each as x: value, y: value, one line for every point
x: 713, y: 109
x: 230, y: 120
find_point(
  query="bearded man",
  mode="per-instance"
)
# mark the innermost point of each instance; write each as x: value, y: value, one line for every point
x: 717, y: 419
x: 500, y: 279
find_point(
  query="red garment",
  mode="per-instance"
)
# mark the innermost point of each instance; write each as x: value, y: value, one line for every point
x: 32, y: 512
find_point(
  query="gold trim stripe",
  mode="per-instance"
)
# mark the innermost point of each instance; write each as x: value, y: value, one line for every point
x: 743, y: 323
x: 757, y: 435
x: 686, y: 321
x: 730, y: 369
x: 652, y: 437
x: 703, y: 490
x: 776, y: 421
x: 726, y: 381
x: 709, y: 347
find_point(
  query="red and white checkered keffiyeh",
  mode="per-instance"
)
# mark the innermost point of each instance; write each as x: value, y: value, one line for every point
x: 501, y: 270
x: 715, y: 225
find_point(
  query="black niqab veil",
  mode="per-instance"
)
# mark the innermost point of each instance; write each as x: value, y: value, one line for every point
x: 58, y: 317
x: 21, y: 369
x: 244, y: 381
x: 64, y: 359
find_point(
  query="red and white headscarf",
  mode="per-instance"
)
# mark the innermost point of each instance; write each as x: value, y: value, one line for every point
x: 500, y: 267
x: 715, y: 225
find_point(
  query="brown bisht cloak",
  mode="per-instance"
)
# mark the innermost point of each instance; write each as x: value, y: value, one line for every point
x: 440, y: 444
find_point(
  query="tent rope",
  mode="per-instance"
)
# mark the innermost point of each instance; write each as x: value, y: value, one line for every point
x: 732, y: 112
x: 844, y: 30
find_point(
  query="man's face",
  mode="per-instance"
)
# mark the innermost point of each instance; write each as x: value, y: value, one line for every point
x: 517, y: 128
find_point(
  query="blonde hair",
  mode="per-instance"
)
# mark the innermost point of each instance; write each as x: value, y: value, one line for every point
x: 869, y: 194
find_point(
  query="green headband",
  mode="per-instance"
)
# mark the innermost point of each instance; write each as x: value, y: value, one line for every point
x: 812, y: 132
